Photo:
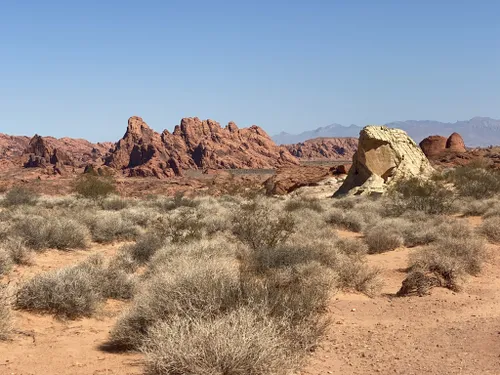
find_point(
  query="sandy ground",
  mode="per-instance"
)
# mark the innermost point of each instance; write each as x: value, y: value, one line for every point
x: 444, y: 333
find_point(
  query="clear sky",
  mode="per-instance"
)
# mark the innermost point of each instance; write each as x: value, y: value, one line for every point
x: 81, y: 68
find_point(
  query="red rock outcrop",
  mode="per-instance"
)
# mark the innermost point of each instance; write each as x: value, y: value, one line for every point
x: 288, y: 179
x: 455, y: 143
x: 41, y: 155
x: 325, y: 148
x: 194, y: 144
x: 435, y: 145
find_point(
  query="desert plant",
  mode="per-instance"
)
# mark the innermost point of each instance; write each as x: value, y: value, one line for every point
x: 69, y: 292
x: 20, y: 195
x: 475, y: 181
x: 94, y: 187
x: 145, y: 247
x: 5, y: 314
x: 429, y: 196
x: 257, y: 225
x: 5, y: 261
x: 17, y: 250
x: 114, y: 203
x: 491, y: 228
x: 450, y: 260
x: 240, y: 343
x: 51, y: 232
x: 300, y: 203
x: 384, y: 236
x: 109, y: 226
x: 349, y: 220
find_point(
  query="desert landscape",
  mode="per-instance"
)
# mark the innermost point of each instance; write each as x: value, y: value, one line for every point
x: 214, y: 251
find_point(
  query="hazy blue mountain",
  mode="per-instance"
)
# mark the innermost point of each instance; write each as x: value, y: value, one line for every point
x: 477, y: 132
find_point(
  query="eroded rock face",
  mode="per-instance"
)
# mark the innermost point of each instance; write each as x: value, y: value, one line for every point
x: 455, y: 143
x: 289, y: 179
x: 325, y: 148
x: 41, y: 155
x: 436, y: 145
x: 433, y: 145
x: 194, y: 144
x: 384, y: 156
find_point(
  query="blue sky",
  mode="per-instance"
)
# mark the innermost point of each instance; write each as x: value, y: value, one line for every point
x: 81, y: 68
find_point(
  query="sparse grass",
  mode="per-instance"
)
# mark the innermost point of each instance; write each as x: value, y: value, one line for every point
x: 20, y: 196
x: 491, y: 228
x: 52, y: 232
x: 240, y: 343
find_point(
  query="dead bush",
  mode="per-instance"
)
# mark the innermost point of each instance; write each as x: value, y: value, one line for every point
x: 349, y: 220
x: 240, y: 343
x: 17, y: 250
x: 5, y: 314
x: 384, y: 236
x: 258, y: 225
x: 69, y: 292
x: 192, y: 290
x: 450, y: 259
x: 51, y: 232
x: 5, y: 261
x: 20, y: 196
x: 108, y: 226
x: 355, y: 274
x: 491, y: 228
x: 301, y: 203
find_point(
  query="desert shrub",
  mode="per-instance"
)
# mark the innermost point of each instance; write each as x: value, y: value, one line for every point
x: 449, y: 260
x: 5, y: 314
x: 193, y: 290
x: 429, y: 196
x: 177, y: 201
x: 114, y: 203
x: 108, y: 226
x: 355, y: 274
x: 181, y: 227
x: 476, y: 207
x: 385, y: 236
x: 475, y: 181
x: 352, y: 247
x: 124, y: 261
x: 18, y: 252
x: 491, y: 228
x: 20, y: 195
x: 94, y: 187
x: 420, y: 233
x: 258, y: 225
x: 300, y: 203
x: 5, y: 261
x: 349, y: 220
x: 119, y: 284
x: 347, y: 203
x: 240, y: 343
x: 69, y: 292
x: 145, y: 247
x: 51, y: 232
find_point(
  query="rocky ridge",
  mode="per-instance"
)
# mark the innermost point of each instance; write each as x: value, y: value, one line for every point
x: 325, y: 148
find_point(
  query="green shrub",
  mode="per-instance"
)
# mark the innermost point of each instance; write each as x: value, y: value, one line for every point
x: 475, y: 181
x: 94, y: 187
x: 19, y: 195
x: 429, y: 196
x: 240, y: 343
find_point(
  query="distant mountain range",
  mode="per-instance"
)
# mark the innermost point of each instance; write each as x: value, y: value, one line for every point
x: 476, y: 132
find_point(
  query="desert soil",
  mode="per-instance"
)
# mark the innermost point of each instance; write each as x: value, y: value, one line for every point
x: 443, y: 333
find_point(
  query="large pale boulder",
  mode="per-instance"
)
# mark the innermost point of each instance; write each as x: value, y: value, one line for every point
x: 384, y: 156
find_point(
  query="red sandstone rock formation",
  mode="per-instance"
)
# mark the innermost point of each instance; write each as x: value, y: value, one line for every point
x: 455, y: 143
x: 288, y: 179
x: 325, y: 148
x: 194, y: 144
x: 435, y: 145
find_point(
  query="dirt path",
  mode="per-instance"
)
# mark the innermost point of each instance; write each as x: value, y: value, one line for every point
x: 444, y: 333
